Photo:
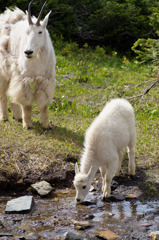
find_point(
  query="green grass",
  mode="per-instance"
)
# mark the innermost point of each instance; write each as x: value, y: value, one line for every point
x: 86, y: 80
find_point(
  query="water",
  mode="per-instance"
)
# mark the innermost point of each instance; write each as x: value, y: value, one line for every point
x: 52, y: 217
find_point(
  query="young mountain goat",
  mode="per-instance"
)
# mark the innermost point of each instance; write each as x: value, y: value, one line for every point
x: 110, y: 133
x: 27, y: 65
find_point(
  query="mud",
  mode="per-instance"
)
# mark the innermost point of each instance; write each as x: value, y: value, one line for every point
x: 51, y: 217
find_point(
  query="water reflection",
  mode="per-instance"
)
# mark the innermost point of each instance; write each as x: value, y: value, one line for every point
x: 54, y: 216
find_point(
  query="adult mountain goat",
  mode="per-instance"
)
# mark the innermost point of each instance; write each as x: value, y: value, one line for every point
x: 27, y: 65
x: 110, y: 133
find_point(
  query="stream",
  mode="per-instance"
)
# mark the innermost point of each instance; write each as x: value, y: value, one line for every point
x: 51, y: 217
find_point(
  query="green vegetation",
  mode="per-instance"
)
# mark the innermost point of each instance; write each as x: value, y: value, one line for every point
x: 86, y: 80
x: 116, y: 24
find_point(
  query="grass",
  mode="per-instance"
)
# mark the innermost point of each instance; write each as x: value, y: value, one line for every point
x: 86, y: 79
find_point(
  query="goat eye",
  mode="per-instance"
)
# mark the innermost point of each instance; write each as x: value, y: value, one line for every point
x: 40, y: 32
x: 84, y: 187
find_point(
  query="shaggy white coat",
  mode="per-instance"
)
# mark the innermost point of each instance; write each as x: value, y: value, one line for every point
x: 110, y: 133
x: 25, y: 80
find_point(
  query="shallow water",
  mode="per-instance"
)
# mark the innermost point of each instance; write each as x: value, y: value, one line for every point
x: 52, y: 217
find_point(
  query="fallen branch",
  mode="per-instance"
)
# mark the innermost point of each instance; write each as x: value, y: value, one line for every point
x: 145, y: 91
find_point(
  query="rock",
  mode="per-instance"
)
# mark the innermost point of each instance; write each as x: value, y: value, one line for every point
x: 19, y: 205
x: 154, y: 235
x: 31, y: 236
x: 6, y: 235
x: 117, y: 197
x: 145, y: 224
x: 43, y: 188
x: 81, y: 225
x: 89, y: 217
x: 72, y: 236
x: 130, y: 196
x: 108, y: 235
x: 114, y: 198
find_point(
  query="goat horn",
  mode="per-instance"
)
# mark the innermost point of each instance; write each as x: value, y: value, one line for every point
x: 40, y: 15
x: 29, y: 14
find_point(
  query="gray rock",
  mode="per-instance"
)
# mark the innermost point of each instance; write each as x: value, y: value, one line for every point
x: 43, y: 188
x: 72, y: 236
x: 117, y: 197
x: 19, y: 205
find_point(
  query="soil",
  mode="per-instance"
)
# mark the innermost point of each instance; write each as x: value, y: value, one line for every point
x: 61, y: 174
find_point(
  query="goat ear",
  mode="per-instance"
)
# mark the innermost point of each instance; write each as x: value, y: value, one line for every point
x: 46, y: 19
x: 76, y: 168
x: 90, y: 172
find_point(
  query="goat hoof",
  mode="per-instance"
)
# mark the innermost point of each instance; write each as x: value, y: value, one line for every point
x: 18, y: 120
x: 106, y: 199
x: 28, y: 128
x: 4, y: 120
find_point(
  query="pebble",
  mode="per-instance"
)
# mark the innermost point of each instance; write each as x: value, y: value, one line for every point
x: 18, y: 205
x: 72, y: 236
x: 31, y: 236
x: 81, y: 225
x: 117, y: 197
x: 43, y: 188
x: 108, y: 235
x: 130, y: 196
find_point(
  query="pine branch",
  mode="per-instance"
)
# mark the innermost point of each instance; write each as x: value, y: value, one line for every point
x: 146, y: 90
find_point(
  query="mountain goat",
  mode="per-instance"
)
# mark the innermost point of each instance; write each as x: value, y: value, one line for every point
x: 110, y: 133
x: 27, y: 65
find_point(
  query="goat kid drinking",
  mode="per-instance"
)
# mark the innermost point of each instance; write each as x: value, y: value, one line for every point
x: 27, y: 65
x: 110, y: 133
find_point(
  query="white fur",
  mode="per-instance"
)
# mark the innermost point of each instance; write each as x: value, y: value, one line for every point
x: 110, y: 133
x: 25, y: 79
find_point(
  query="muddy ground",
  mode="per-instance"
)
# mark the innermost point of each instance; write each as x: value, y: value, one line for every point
x: 54, y: 215
x: 61, y: 174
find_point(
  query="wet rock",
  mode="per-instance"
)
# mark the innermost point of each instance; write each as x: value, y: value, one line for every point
x: 114, y: 198
x: 130, y: 196
x: 19, y: 205
x: 89, y: 217
x: 108, y: 235
x: 43, y: 188
x: 145, y: 224
x: 6, y: 235
x: 81, y: 225
x: 154, y: 235
x: 31, y: 236
x: 72, y: 236
x: 117, y: 197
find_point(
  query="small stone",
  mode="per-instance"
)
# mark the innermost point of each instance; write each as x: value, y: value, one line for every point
x: 154, y: 235
x: 72, y: 236
x: 81, y: 225
x: 108, y: 235
x: 31, y: 236
x: 6, y: 235
x: 19, y: 205
x: 43, y: 188
x: 89, y: 217
x: 146, y: 224
x: 117, y: 197
x: 130, y: 196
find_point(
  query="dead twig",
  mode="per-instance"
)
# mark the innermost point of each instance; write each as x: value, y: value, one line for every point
x: 146, y: 90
